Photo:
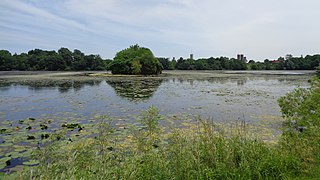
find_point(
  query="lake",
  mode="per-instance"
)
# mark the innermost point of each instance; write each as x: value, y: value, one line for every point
x: 39, y: 103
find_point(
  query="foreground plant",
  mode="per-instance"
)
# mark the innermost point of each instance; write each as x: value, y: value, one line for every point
x: 301, y: 135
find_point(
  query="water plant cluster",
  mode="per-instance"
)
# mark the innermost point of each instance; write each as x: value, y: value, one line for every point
x: 202, y: 151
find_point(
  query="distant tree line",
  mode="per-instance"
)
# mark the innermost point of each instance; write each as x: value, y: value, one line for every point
x: 293, y: 63
x: 40, y: 60
x: 223, y: 63
x: 65, y: 59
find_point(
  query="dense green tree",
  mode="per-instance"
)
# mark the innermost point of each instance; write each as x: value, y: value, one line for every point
x: 135, y: 60
x: 290, y: 65
x: 20, y: 62
x: 172, y: 64
x: 201, y: 64
x: 5, y: 60
x: 267, y: 64
x: 67, y: 55
x: 165, y: 62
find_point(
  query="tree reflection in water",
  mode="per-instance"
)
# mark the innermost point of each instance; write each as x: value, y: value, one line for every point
x: 135, y: 89
x: 63, y: 86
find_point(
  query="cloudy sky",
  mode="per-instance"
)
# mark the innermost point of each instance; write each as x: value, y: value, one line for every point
x: 170, y: 28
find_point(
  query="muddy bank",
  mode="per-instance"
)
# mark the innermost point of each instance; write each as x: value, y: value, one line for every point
x: 42, y: 74
x: 4, y: 74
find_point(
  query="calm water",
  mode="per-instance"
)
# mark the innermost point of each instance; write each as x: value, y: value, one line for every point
x: 222, y: 97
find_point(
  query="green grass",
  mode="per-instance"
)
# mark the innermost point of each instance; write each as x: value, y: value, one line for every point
x: 202, y: 151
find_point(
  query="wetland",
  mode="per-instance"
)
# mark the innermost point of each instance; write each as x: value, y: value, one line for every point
x: 35, y: 105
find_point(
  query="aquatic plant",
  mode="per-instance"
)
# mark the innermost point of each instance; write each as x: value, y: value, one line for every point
x: 202, y: 151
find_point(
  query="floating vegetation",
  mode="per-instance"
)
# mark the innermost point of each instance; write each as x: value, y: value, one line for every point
x: 4, y: 162
x: 2, y: 131
x: 43, y: 126
x: 31, y: 137
x: 31, y: 163
x: 71, y: 126
x: 45, y: 136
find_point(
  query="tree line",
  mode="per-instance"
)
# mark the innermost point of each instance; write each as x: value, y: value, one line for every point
x: 292, y: 63
x: 65, y: 60
x: 221, y: 63
x: 309, y: 62
x: 42, y: 60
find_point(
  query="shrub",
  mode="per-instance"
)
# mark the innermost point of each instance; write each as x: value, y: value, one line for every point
x: 301, y: 134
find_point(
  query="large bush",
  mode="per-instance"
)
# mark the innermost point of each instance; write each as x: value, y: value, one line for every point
x: 135, y: 60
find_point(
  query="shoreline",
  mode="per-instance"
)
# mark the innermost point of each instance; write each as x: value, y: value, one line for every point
x: 5, y: 74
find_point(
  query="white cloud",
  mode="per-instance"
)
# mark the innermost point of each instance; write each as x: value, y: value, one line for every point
x: 261, y: 30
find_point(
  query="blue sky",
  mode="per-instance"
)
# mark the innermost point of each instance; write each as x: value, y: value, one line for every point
x: 170, y: 28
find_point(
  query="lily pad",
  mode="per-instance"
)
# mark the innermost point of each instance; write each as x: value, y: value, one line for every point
x: 6, y: 122
x: 2, y: 131
x: 6, y: 144
x: 4, y: 162
x: 71, y: 126
x: 3, y: 165
x: 14, y: 154
x: 31, y: 163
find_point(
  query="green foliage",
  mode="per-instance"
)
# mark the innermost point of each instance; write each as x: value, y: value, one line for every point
x: 38, y: 59
x: 165, y: 63
x: 223, y: 63
x: 302, y: 105
x: 211, y: 63
x: 5, y: 60
x: 150, y: 118
x: 318, y: 71
x: 140, y: 60
x: 301, y: 136
x: 135, y: 60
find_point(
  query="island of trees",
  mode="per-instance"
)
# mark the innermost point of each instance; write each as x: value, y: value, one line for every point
x: 135, y: 60
x: 140, y: 60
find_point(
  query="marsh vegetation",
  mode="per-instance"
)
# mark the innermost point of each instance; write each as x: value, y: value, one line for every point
x: 92, y: 126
